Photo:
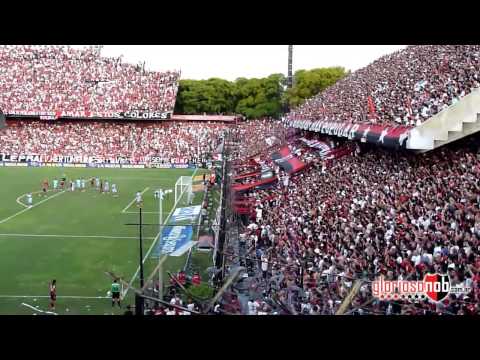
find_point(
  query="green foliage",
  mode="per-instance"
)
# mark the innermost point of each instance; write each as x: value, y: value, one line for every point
x: 310, y: 82
x: 202, y: 291
x: 210, y: 96
x: 253, y: 98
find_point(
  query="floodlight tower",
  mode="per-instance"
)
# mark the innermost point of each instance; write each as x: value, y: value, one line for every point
x: 289, y: 76
x: 290, y: 60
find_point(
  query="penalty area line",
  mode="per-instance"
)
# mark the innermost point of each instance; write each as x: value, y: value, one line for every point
x: 38, y: 310
x: 30, y: 207
x: 33, y: 193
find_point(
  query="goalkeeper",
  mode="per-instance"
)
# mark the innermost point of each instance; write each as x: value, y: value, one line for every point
x: 116, y: 293
x: 191, y: 195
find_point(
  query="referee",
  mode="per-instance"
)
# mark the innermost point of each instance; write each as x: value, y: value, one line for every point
x: 116, y: 293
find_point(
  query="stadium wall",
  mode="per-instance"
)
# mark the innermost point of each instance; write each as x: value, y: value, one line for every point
x: 109, y: 166
x: 121, y: 116
x: 89, y: 115
x: 388, y: 136
x: 458, y: 120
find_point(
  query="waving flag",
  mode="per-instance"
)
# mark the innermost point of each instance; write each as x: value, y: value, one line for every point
x: 324, y: 149
x: 287, y: 161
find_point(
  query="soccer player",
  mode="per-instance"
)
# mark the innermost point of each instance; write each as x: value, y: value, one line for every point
x: 106, y: 186
x: 116, y: 293
x: 78, y: 184
x: 101, y: 185
x: 45, y: 187
x: 138, y: 198
x: 191, y: 195
x: 53, y: 294
x: 29, y: 200
x: 92, y: 182
x: 114, y: 190
x: 156, y: 194
x: 55, y: 184
x: 63, y: 182
x: 72, y: 186
x: 82, y: 181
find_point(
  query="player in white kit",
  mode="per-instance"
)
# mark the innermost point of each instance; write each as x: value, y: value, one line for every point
x: 82, y: 181
x: 78, y: 183
x: 72, y: 186
x: 114, y: 190
x: 106, y: 187
x: 55, y: 184
x: 29, y: 200
x: 138, y: 198
x: 97, y: 182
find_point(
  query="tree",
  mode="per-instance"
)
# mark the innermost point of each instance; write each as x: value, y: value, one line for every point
x: 308, y: 83
x: 260, y: 97
x: 253, y: 98
x: 210, y: 96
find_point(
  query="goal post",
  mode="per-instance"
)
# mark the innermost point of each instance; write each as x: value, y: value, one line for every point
x: 183, y: 186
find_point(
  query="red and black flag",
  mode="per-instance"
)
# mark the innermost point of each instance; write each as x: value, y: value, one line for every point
x: 287, y: 161
x: 437, y: 286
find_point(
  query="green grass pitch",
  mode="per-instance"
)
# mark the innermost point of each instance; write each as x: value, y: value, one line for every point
x: 76, y: 237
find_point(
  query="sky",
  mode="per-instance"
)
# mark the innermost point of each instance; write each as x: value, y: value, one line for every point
x: 232, y: 61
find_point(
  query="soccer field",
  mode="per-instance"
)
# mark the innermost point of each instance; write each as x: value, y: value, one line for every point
x: 75, y: 237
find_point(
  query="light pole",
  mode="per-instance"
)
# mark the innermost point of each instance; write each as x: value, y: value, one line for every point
x: 161, y: 194
x: 139, y: 302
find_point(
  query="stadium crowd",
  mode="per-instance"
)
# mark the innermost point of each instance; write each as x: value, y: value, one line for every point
x: 403, y: 88
x: 133, y: 142
x: 257, y: 136
x: 371, y: 213
x: 61, y: 78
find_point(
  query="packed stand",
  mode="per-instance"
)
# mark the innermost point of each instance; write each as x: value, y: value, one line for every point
x: 368, y: 214
x: 257, y: 136
x: 60, y: 78
x: 179, y: 302
x: 403, y: 88
x: 135, y: 142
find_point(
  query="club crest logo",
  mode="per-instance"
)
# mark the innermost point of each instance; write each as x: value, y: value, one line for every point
x: 437, y: 286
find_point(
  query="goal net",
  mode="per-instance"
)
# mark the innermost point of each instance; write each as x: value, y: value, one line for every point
x: 183, y: 190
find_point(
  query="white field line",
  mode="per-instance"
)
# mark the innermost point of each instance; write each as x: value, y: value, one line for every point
x: 47, y: 296
x: 38, y: 310
x: 33, y: 193
x: 74, y: 236
x: 153, y: 243
x: 131, y: 202
x: 31, y: 207
x: 19, y: 202
x: 143, y: 212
